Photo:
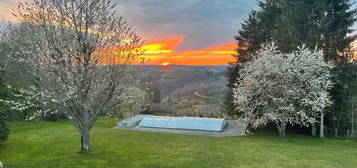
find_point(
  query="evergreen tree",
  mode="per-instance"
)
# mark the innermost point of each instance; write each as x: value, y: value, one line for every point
x: 4, y: 130
x: 4, y: 62
x: 229, y: 107
x: 341, y: 116
x: 296, y: 25
x: 335, y: 21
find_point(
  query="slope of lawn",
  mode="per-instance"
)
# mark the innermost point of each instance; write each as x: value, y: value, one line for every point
x: 56, y: 144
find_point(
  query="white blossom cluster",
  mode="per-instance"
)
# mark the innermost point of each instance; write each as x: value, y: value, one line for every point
x: 27, y: 100
x: 132, y: 101
x: 284, y: 88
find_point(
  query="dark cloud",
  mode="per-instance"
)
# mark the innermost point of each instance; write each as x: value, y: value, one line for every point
x: 202, y: 22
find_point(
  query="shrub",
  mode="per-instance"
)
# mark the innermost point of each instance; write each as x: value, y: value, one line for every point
x: 4, y: 130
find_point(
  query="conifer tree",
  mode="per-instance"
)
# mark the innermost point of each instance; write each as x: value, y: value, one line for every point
x: 335, y: 21
x: 4, y: 130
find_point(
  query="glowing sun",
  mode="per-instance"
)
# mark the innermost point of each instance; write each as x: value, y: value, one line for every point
x: 165, y: 64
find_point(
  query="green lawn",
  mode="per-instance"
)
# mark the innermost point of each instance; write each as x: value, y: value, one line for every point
x: 55, y: 144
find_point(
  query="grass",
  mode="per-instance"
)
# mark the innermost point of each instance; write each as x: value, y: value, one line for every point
x: 56, y: 144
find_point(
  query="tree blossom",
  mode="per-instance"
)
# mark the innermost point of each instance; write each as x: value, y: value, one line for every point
x: 79, y: 52
x: 28, y: 102
x: 132, y: 102
x: 283, y: 88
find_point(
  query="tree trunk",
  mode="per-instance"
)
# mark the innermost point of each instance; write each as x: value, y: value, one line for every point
x: 248, y: 129
x: 281, y: 129
x: 322, y: 135
x: 348, y: 134
x: 85, y: 140
x: 313, y: 129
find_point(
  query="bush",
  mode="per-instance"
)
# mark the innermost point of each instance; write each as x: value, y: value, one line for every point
x: 4, y: 130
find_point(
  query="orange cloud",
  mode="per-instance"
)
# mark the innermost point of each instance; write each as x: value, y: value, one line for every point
x: 164, y: 50
x: 163, y: 47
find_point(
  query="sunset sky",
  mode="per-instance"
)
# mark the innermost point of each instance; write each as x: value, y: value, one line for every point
x: 181, y: 32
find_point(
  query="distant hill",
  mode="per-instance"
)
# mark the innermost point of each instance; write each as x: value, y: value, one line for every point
x: 175, y: 77
x: 187, y: 90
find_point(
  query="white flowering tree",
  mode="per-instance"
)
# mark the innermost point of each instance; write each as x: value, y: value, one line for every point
x: 133, y: 101
x: 283, y: 88
x: 28, y: 102
x: 23, y: 101
x: 80, y: 56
